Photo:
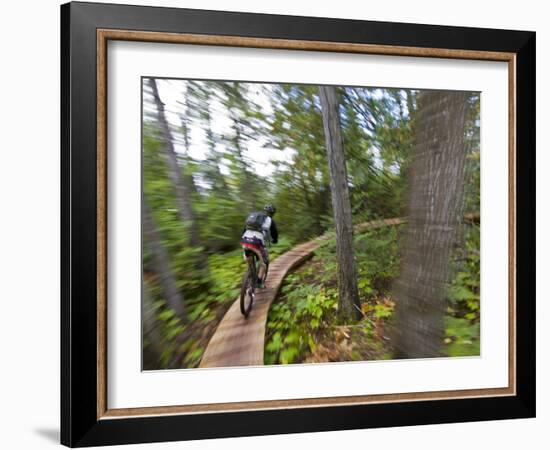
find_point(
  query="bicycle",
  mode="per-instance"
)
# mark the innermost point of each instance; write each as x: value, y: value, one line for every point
x: 250, y: 281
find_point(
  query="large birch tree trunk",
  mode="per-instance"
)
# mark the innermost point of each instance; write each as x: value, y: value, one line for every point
x: 436, y: 191
x: 348, y: 301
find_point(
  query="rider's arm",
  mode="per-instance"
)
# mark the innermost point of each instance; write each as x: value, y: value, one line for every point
x: 273, y: 231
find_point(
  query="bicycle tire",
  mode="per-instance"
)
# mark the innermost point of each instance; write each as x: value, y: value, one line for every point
x: 249, y: 282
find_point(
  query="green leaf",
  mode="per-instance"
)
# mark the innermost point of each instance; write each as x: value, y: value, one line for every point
x: 288, y: 355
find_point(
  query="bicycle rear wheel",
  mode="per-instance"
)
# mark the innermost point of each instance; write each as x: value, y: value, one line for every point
x: 248, y: 287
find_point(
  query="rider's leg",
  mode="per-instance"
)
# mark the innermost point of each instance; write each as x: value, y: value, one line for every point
x: 266, y: 262
x: 263, y: 267
x: 261, y: 271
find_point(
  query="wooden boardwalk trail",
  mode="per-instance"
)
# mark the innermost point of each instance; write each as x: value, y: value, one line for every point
x: 239, y: 341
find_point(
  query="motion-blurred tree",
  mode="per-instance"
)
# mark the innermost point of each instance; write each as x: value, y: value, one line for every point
x: 245, y: 117
x: 348, y: 300
x: 183, y: 184
x: 435, y: 208
x: 303, y: 180
x: 160, y: 263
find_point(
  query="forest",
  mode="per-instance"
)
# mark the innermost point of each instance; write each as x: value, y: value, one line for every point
x: 332, y: 159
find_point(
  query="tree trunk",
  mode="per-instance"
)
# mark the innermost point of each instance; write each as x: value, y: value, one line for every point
x: 436, y: 191
x: 305, y: 190
x: 348, y: 302
x: 182, y: 186
x: 410, y: 102
x: 248, y: 191
x: 214, y: 159
x: 161, y: 263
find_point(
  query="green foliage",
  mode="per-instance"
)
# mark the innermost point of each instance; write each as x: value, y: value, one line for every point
x: 461, y: 337
x: 305, y: 313
x: 377, y: 261
x: 169, y: 326
x: 463, y: 292
x: 378, y: 140
x: 463, y: 312
x: 293, y: 323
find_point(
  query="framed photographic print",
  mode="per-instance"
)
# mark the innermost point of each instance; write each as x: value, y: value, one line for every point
x: 277, y: 224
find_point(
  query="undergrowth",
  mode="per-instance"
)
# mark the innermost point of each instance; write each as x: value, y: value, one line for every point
x: 303, y: 324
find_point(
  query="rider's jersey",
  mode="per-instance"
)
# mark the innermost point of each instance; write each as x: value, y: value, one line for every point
x: 266, y: 226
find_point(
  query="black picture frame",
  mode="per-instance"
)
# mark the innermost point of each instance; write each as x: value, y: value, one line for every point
x: 80, y: 425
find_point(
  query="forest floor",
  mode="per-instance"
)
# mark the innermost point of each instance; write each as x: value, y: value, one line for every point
x: 303, y: 325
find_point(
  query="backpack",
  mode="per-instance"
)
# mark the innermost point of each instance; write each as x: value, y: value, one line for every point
x: 254, y: 221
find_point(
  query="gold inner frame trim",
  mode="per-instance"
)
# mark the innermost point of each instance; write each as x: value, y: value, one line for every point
x: 103, y: 36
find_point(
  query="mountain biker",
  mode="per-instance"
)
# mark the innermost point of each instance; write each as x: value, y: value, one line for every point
x: 259, y: 229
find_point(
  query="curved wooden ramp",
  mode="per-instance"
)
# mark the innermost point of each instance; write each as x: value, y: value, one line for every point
x: 239, y: 341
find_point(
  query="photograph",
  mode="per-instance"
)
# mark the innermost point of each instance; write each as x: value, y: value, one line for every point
x: 288, y: 223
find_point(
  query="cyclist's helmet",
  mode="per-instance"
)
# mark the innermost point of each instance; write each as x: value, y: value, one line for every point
x: 270, y: 209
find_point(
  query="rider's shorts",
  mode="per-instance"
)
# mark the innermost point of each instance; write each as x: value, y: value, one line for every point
x: 257, y: 246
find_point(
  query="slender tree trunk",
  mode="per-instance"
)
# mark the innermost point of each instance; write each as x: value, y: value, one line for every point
x: 410, y: 103
x: 247, y: 188
x: 348, y: 302
x: 214, y: 157
x: 161, y: 262
x: 183, y: 160
x: 182, y: 185
x: 436, y: 191
x: 305, y: 190
x: 214, y: 160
